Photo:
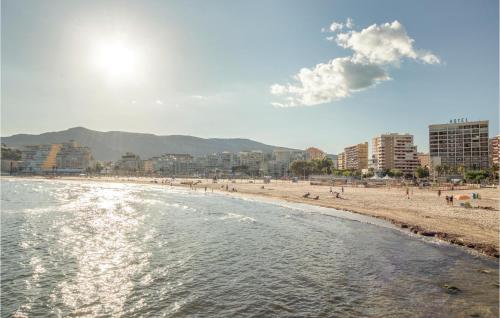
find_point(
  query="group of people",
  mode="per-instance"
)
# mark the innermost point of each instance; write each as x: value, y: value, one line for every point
x: 336, y: 194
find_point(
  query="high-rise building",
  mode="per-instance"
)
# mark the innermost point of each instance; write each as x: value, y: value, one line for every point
x: 395, y: 151
x: 73, y: 156
x: 341, y: 161
x: 494, y: 150
x: 459, y: 143
x: 424, y: 159
x: 356, y: 157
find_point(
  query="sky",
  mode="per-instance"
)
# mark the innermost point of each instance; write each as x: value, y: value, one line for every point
x: 328, y: 74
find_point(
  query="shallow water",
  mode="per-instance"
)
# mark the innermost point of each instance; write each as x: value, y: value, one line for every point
x: 102, y: 249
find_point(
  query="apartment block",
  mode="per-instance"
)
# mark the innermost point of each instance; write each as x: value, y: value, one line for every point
x: 460, y: 143
x: 356, y: 157
x: 395, y: 151
x: 341, y: 161
x: 494, y: 150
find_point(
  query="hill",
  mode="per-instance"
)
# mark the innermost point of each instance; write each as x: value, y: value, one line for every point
x: 111, y: 145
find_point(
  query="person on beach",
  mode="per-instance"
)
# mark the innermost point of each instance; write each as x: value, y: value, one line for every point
x: 451, y: 200
x: 439, y: 192
x: 342, y: 189
x: 407, y: 193
x: 447, y: 200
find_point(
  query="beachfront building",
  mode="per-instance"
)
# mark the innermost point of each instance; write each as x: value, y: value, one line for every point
x: 356, y: 157
x: 494, y: 150
x: 176, y: 165
x: 341, y: 161
x: 288, y: 156
x: 253, y: 160
x: 129, y: 163
x: 459, y: 143
x: 38, y: 158
x: 72, y: 157
x: 314, y: 153
x: 424, y: 159
x: 395, y: 151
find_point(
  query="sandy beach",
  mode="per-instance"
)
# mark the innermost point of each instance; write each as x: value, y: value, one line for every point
x: 424, y: 212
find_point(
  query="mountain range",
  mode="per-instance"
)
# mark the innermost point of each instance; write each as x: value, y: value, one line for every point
x: 111, y: 145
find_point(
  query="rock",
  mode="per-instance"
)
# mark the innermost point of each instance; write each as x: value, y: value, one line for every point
x: 452, y: 289
x: 428, y: 233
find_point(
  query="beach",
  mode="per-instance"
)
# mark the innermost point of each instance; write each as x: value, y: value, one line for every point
x: 424, y: 212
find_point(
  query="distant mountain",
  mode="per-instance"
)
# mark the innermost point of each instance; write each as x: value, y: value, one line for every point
x: 111, y: 145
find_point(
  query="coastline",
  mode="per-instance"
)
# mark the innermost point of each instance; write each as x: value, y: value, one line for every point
x: 423, y: 214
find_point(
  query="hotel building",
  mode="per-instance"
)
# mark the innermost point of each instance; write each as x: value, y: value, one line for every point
x: 460, y: 143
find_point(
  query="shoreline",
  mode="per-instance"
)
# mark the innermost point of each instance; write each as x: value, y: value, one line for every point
x: 406, y: 220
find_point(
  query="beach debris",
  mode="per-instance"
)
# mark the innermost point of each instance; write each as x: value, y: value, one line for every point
x: 316, y: 197
x: 452, y: 289
x: 306, y: 195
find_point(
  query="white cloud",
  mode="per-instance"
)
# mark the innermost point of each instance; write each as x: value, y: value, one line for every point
x: 336, y: 26
x: 328, y: 82
x: 375, y: 49
x: 159, y: 102
x: 383, y: 44
x: 349, y: 23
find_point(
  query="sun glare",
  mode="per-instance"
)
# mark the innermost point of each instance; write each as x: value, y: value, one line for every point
x: 116, y: 59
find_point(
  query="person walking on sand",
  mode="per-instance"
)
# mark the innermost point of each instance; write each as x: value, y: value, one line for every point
x: 447, y: 200
x: 439, y: 192
x: 342, y: 189
x: 451, y: 200
x: 407, y: 193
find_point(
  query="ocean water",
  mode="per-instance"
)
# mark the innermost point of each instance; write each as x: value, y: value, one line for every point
x: 91, y: 249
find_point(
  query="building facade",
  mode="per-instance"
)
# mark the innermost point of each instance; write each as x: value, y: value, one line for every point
x: 395, y: 151
x: 495, y: 151
x: 356, y: 157
x: 72, y: 156
x: 460, y: 143
x: 424, y: 159
x: 341, y: 161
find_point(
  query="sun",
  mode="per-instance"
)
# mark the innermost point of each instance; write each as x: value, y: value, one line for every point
x: 116, y: 59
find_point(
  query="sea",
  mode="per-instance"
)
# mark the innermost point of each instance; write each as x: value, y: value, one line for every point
x: 101, y: 249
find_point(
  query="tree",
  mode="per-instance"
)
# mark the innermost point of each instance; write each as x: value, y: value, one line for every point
x: 422, y: 172
x: 98, y: 167
x: 476, y: 175
x: 439, y: 169
x: 10, y: 154
x: 302, y: 168
x: 322, y: 166
x: 242, y: 169
x: 395, y: 173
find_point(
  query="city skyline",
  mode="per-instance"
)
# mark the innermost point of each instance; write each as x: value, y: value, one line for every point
x: 207, y: 73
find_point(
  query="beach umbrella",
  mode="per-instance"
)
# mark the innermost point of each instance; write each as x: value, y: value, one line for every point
x: 462, y: 197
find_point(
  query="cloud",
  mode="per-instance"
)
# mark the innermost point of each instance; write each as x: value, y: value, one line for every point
x: 383, y: 44
x: 327, y: 82
x: 375, y: 49
x: 159, y: 102
x: 337, y: 26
